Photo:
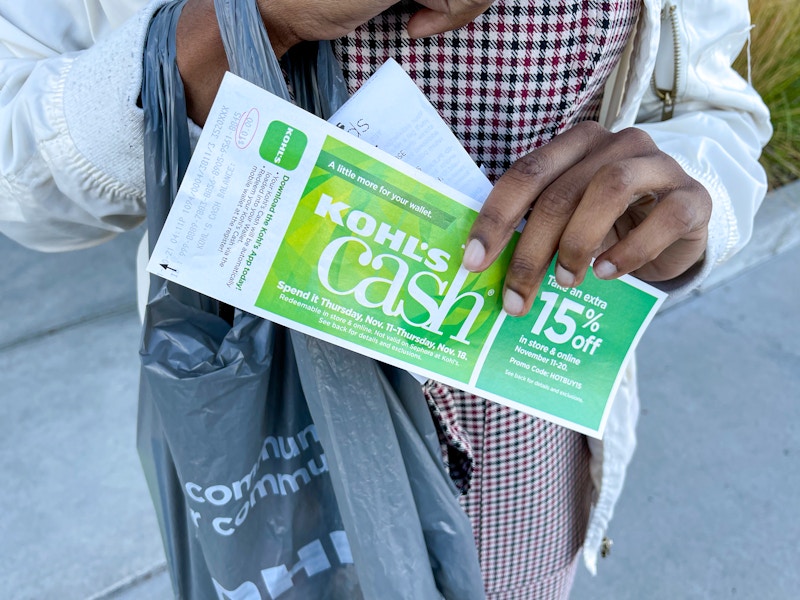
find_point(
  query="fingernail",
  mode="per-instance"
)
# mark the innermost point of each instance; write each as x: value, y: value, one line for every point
x: 473, y: 256
x: 513, y: 303
x: 564, y: 277
x: 604, y: 269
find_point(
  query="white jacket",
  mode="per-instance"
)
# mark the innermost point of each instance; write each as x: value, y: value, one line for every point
x: 71, y: 168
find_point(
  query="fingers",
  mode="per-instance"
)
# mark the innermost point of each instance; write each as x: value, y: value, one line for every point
x: 438, y: 16
x: 671, y: 238
x: 524, y: 182
x: 591, y: 193
x: 627, y: 188
x: 289, y: 22
x: 553, y: 179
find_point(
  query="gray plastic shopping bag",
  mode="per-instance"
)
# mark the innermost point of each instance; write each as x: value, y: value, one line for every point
x: 280, y: 466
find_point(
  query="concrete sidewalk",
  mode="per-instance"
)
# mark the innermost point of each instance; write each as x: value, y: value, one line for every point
x: 75, y: 514
x: 708, y: 511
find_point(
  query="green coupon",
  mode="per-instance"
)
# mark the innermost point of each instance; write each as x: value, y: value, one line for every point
x: 568, y: 352
x: 369, y: 257
x: 292, y: 219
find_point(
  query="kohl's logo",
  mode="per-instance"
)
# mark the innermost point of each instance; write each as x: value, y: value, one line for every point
x: 283, y: 145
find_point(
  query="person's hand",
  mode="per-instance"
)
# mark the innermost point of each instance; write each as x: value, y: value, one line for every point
x: 201, y: 56
x: 438, y: 16
x: 590, y: 193
x: 290, y: 22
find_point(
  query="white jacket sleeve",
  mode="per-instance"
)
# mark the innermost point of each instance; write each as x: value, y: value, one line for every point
x: 719, y: 125
x: 718, y: 129
x: 71, y: 164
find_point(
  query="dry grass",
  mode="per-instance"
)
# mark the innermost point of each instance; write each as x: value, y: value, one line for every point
x: 775, y: 73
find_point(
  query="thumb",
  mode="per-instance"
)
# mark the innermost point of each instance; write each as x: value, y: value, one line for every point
x: 427, y: 22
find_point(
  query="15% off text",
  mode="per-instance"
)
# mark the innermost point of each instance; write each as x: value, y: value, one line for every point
x: 557, y: 321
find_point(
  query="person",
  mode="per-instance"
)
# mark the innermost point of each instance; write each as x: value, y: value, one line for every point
x: 562, y: 103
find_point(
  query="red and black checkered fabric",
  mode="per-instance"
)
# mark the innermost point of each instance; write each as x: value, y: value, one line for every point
x: 506, y: 84
x: 526, y: 487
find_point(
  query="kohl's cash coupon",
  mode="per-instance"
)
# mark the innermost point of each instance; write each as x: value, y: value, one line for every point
x: 285, y: 216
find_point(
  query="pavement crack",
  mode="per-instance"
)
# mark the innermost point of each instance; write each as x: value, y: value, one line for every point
x: 30, y: 338
x: 130, y: 582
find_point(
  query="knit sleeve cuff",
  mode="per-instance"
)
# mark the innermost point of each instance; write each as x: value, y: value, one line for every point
x: 104, y: 123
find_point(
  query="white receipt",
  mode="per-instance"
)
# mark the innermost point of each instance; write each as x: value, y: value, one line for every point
x: 389, y: 111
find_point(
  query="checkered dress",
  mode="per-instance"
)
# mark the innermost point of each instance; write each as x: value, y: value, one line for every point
x: 507, y: 83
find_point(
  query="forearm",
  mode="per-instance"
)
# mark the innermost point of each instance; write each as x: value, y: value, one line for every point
x: 71, y: 170
x: 719, y: 126
x: 201, y: 55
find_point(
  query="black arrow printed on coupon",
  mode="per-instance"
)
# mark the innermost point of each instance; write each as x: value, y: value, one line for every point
x: 166, y: 267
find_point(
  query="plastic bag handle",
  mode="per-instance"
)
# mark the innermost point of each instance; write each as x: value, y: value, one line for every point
x: 317, y: 80
x: 247, y: 45
x: 166, y: 136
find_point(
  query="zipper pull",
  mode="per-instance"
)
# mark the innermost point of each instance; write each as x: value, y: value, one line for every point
x: 667, y: 105
x: 669, y: 17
